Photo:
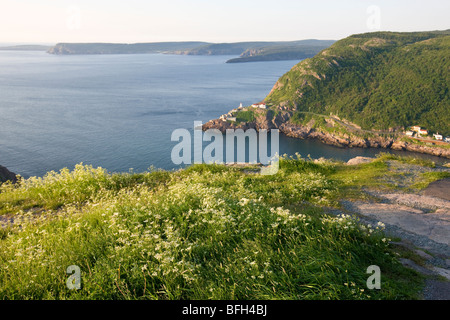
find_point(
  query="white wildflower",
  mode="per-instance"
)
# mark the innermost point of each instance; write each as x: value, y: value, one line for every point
x: 243, y: 201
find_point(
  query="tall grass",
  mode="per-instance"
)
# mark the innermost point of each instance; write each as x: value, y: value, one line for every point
x: 207, y: 232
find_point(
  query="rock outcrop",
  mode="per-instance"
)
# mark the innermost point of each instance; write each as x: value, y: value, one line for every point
x: 6, y: 175
x: 359, y: 160
x: 439, y: 152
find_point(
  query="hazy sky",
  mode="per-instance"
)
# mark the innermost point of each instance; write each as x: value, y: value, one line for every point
x: 51, y: 21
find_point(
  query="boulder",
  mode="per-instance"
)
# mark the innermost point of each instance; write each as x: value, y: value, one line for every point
x: 358, y: 160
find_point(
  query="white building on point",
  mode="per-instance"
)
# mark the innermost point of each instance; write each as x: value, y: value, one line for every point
x: 260, y: 105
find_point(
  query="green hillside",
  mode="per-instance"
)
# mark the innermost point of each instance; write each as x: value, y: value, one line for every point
x: 377, y: 80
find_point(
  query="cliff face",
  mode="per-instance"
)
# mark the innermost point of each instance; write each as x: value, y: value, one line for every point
x: 6, y: 175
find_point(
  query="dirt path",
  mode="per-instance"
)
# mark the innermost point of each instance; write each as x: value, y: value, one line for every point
x: 421, y: 220
x: 351, y: 126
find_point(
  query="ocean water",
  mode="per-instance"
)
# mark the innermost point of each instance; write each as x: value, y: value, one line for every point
x: 119, y: 111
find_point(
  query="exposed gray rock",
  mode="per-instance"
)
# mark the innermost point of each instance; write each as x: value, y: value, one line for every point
x: 436, y: 290
x: 358, y: 160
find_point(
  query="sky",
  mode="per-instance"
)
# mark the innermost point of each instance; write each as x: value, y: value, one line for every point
x: 131, y: 21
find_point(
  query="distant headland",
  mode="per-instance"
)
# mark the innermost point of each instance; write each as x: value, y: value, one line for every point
x: 377, y: 89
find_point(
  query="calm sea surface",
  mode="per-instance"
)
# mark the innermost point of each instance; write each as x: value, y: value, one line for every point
x: 119, y: 111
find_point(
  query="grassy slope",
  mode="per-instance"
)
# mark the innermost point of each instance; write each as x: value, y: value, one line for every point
x: 207, y: 232
x: 376, y: 80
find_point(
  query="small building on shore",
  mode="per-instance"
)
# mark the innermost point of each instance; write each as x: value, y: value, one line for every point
x: 437, y: 136
x: 423, y: 132
x: 260, y: 105
x: 409, y: 133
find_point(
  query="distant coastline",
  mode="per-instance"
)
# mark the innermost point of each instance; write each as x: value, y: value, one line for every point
x: 246, y: 51
x: 26, y: 47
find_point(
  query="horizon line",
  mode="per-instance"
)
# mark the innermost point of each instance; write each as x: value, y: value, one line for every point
x: 212, y: 42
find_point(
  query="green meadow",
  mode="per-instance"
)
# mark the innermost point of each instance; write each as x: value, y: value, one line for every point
x: 204, y: 232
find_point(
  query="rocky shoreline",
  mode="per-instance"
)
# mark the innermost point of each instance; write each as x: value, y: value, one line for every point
x: 281, y: 121
x: 374, y: 142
